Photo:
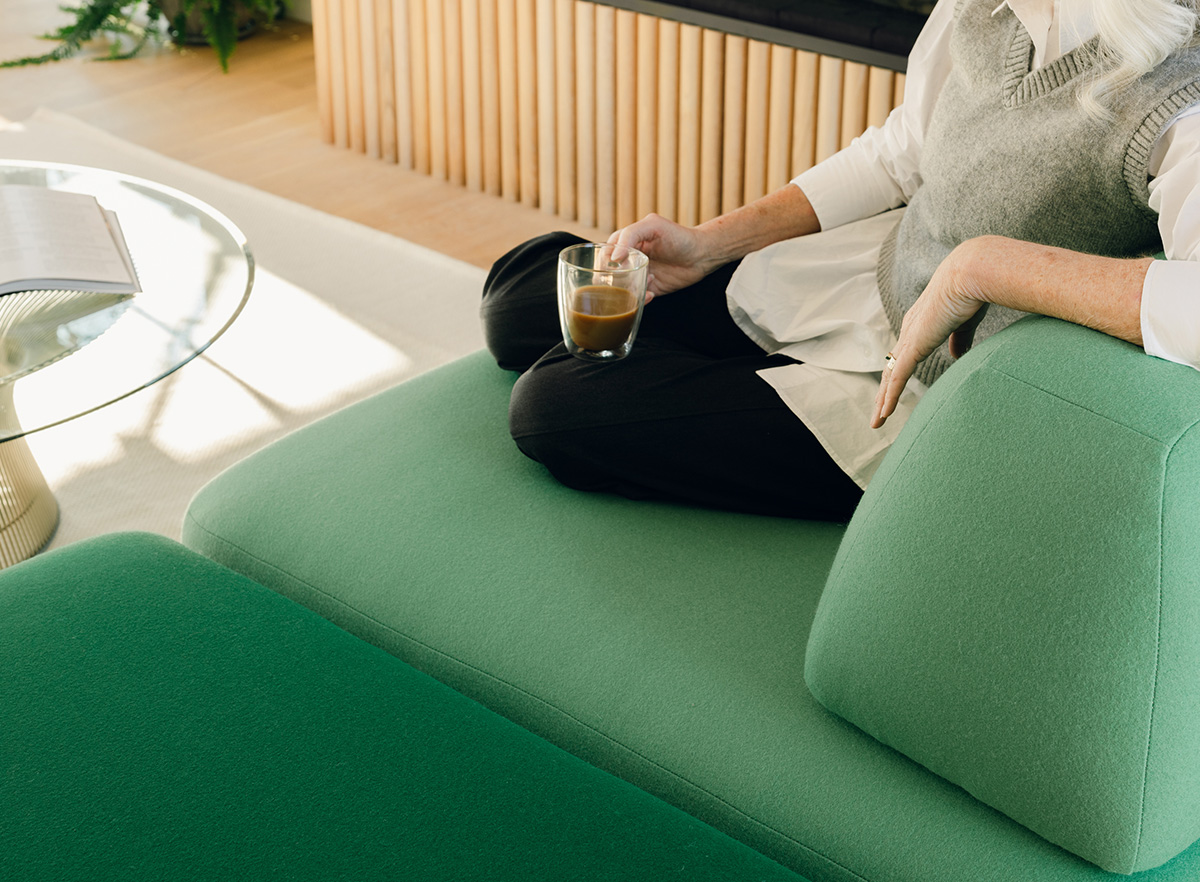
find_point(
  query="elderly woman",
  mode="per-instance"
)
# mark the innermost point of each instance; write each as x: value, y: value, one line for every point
x: 1043, y: 150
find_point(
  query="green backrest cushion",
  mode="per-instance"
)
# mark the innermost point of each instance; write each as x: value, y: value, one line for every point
x: 1016, y: 603
x: 168, y: 719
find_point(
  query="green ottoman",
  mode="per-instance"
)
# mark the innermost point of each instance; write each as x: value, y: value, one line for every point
x: 165, y: 718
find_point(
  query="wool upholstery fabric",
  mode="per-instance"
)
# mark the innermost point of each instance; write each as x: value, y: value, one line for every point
x: 1016, y: 603
x: 662, y: 643
x: 165, y: 718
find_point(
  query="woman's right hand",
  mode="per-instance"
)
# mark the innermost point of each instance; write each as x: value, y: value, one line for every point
x: 677, y: 253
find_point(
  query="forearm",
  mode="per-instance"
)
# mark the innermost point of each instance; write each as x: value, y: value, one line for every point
x: 1103, y: 293
x: 783, y: 214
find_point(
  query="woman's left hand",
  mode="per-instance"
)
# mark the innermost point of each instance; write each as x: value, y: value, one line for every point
x: 1104, y: 293
x: 951, y: 307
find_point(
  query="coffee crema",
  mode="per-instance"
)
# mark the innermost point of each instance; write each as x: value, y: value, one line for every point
x: 601, y: 317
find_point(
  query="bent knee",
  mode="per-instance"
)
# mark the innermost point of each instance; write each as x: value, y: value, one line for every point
x: 519, y: 311
x: 545, y: 399
x: 550, y: 424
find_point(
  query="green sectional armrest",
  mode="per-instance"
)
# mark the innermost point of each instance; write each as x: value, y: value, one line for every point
x: 1016, y: 604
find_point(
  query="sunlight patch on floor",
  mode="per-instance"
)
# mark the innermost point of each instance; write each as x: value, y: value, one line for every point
x: 287, y: 356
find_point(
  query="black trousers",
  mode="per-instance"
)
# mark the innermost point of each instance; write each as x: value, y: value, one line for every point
x: 683, y: 417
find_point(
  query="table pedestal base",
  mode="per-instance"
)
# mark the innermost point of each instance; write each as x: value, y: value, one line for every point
x: 28, y: 510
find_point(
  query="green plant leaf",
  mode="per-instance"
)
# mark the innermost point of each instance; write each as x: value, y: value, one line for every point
x: 219, y: 25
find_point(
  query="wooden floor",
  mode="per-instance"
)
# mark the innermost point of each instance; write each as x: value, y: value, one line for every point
x: 258, y: 125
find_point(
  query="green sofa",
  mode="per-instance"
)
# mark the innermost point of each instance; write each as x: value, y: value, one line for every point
x: 1002, y: 640
x: 168, y: 719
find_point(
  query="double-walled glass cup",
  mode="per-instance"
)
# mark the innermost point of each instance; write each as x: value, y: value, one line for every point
x: 601, y: 293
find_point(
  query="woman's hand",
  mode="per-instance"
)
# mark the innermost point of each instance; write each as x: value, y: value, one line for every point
x: 1103, y: 293
x: 951, y: 307
x: 676, y: 252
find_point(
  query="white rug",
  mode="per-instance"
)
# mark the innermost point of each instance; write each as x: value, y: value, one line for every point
x: 338, y: 311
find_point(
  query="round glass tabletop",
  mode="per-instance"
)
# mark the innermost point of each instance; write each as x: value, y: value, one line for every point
x: 65, y: 354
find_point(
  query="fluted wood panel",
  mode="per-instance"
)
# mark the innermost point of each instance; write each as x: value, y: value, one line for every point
x: 690, y: 127
x: 385, y: 78
x: 592, y: 113
x: 566, y: 183
x: 626, y: 100
x: 401, y: 89
x: 527, y: 96
x: 733, y: 122
x: 355, y: 61
x: 370, y: 83
x: 323, y: 64
x: 606, y: 129
x: 667, y: 157
x: 584, y: 106
x: 712, y: 102
x: 546, y: 108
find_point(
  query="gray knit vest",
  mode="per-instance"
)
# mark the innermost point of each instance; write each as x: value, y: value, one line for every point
x: 1010, y: 152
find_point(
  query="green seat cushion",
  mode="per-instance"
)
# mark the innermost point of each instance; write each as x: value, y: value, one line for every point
x: 1017, y: 602
x: 665, y: 644
x: 165, y: 718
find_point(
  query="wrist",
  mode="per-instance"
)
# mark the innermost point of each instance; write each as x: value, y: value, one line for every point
x: 784, y: 214
x: 982, y: 265
x: 716, y: 245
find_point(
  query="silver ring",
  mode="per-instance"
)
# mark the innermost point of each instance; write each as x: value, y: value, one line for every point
x: 889, y: 362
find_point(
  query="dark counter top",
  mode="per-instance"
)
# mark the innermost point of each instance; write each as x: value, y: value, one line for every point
x: 879, y: 32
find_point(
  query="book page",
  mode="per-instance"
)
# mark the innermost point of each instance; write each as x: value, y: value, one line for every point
x: 50, y: 235
x: 118, y: 237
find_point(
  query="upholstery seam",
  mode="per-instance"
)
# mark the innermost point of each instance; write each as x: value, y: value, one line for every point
x: 1076, y: 404
x: 1140, y: 841
x: 545, y: 703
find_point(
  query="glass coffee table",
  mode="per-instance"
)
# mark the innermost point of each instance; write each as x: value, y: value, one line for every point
x: 66, y: 354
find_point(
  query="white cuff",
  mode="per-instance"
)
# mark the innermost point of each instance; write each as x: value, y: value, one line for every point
x: 848, y: 186
x: 1170, y: 311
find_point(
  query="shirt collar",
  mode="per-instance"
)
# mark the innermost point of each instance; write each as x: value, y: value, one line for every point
x: 1055, y: 26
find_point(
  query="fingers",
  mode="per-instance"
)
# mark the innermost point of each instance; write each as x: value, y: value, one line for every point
x: 635, y: 235
x: 623, y: 241
x: 901, y: 363
x: 898, y: 367
x: 620, y: 250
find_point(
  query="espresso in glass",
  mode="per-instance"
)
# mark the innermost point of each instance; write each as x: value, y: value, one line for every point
x: 601, y: 292
x: 601, y: 316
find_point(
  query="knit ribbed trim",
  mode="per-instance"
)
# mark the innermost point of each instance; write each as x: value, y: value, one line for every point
x: 885, y: 278
x: 1022, y: 85
x: 1137, y: 157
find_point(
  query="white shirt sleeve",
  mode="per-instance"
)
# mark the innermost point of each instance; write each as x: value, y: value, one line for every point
x: 881, y: 169
x: 1170, y: 311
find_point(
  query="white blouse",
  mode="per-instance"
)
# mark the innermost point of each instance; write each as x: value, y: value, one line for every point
x: 815, y: 298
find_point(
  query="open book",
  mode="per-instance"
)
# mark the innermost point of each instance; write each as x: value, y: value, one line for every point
x: 60, y: 241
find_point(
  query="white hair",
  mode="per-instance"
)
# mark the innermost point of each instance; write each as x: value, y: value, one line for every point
x: 1135, y: 36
